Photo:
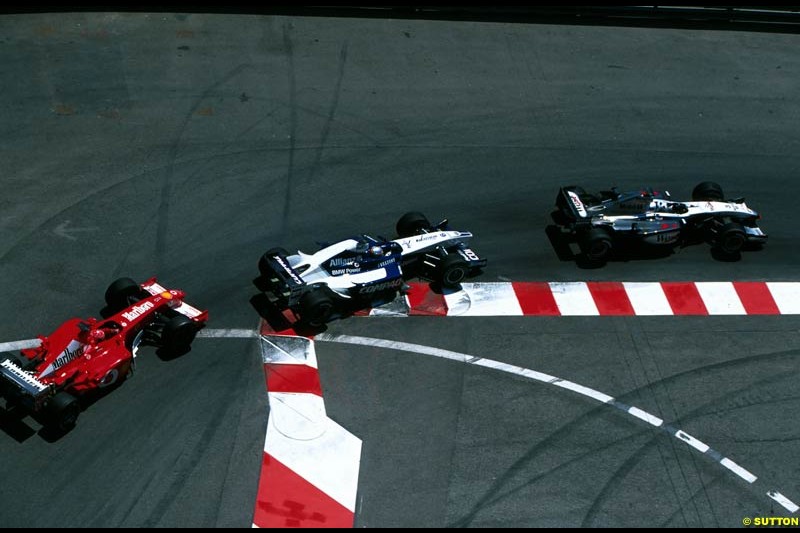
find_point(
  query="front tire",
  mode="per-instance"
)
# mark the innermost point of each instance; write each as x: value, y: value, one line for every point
x: 120, y: 293
x: 412, y: 223
x: 178, y: 334
x: 452, y: 271
x: 730, y: 238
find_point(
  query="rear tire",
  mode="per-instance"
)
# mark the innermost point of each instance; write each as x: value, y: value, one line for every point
x: 62, y: 411
x: 120, y: 292
x: 178, y: 334
x: 316, y: 308
x: 597, y: 245
x: 452, y: 271
x: 411, y: 224
x: 707, y: 191
x: 730, y: 238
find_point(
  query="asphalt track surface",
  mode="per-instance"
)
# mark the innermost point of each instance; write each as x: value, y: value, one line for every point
x: 182, y: 146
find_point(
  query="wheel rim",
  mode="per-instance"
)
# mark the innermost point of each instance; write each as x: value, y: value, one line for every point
x: 69, y: 417
x: 454, y: 276
x: 733, y: 243
x: 599, y: 249
x: 320, y: 314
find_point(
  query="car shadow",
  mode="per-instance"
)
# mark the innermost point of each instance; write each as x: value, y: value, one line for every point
x: 563, y: 243
x: 723, y: 257
x: 277, y: 320
x: 560, y: 241
x: 86, y: 401
x: 166, y: 354
x: 51, y: 434
x: 13, y: 419
x: 12, y: 423
x: 269, y: 312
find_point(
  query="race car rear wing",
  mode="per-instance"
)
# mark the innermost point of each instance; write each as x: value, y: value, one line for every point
x: 281, y: 279
x: 570, y: 204
x: 153, y: 287
x: 24, y: 381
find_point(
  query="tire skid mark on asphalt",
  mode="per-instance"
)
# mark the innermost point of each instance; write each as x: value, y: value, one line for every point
x: 165, y: 193
x: 645, y: 370
x: 288, y: 48
x: 326, y: 128
x: 640, y: 414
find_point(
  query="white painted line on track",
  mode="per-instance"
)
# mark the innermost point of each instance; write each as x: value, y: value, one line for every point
x: 558, y: 382
x: 395, y: 345
x: 228, y: 333
x: 18, y: 345
x: 691, y: 441
x: 784, y: 501
x: 585, y: 391
x: 206, y: 333
x: 738, y: 470
x: 644, y: 415
x: 511, y: 369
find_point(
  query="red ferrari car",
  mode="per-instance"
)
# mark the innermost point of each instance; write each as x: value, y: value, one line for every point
x: 86, y: 355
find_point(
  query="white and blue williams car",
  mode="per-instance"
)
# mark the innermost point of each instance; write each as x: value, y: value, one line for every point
x: 364, y: 270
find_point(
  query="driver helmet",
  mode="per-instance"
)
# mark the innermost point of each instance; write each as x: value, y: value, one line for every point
x: 375, y: 251
x: 98, y: 334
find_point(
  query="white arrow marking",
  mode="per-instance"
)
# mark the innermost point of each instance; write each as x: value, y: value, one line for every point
x: 63, y: 231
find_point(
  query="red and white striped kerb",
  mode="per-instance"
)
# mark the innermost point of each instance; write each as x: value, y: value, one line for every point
x: 309, y: 474
x: 600, y: 298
